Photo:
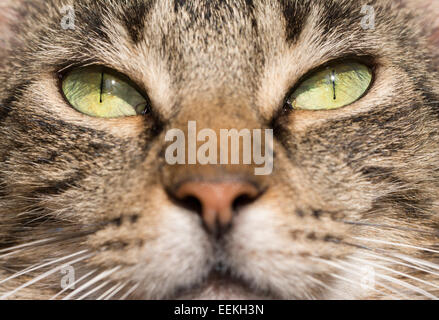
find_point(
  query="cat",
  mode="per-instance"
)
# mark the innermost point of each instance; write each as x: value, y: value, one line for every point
x: 90, y: 208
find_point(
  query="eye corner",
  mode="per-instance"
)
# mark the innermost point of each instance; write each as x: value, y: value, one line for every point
x: 287, y: 105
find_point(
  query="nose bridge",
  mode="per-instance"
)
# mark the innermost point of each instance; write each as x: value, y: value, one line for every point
x: 197, y: 120
x: 219, y: 109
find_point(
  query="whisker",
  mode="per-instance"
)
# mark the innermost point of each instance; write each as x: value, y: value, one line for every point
x: 116, y: 291
x: 102, y: 285
x: 109, y: 291
x: 25, y: 269
x: 47, y: 241
x: 26, y: 245
x: 395, y: 271
x: 358, y: 284
x: 130, y: 291
x: 91, y: 282
x: 417, y: 261
x: 392, y: 279
x: 10, y: 253
x: 396, y: 244
x: 39, y: 266
x: 355, y: 245
x: 408, y: 286
x: 74, y: 283
x: 392, y: 254
x: 385, y: 226
x: 411, y: 266
x: 44, y: 275
x: 338, y: 266
x: 397, y: 281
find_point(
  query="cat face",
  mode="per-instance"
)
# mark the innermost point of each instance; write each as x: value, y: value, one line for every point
x: 348, y: 211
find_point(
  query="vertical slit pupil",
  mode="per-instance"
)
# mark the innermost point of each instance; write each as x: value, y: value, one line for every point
x: 333, y: 83
x: 102, y: 87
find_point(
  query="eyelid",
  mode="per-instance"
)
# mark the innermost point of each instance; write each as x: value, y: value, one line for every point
x: 64, y: 71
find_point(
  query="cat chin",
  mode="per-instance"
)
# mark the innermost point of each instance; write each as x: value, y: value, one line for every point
x: 212, y: 290
x: 221, y: 287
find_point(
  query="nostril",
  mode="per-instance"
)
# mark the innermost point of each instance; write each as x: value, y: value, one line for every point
x: 190, y: 203
x: 242, y: 201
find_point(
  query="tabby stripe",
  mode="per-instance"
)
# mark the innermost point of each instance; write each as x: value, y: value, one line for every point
x: 15, y: 94
x: 134, y: 17
x: 295, y: 16
x: 62, y: 186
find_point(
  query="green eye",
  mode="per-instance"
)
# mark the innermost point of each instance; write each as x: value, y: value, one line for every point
x: 334, y: 87
x: 102, y: 93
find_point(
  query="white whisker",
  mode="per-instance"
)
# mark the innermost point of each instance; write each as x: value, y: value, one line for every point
x: 396, y: 244
x: 116, y: 291
x: 41, y: 266
x: 85, y: 295
x: 26, y: 244
x: 74, y: 283
x: 397, y: 281
x: 133, y: 288
x: 358, y: 284
x: 338, y: 266
x: 394, y: 271
x: 25, y: 270
x: 10, y: 253
x: 417, y: 261
x: 91, y: 282
x: 408, y: 286
x: 44, y: 275
x: 109, y: 291
x: 400, y: 263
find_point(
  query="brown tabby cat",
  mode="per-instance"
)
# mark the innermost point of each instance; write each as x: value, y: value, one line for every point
x: 350, y: 211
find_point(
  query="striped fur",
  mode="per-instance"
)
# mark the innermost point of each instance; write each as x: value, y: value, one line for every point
x: 351, y: 188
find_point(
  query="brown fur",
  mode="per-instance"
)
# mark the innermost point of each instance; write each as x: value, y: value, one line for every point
x: 351, y: 187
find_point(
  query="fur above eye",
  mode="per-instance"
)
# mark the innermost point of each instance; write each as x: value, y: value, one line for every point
x: 103, y: 93
x: 335, y: 86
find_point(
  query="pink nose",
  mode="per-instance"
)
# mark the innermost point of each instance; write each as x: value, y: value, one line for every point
x: 217, y: 200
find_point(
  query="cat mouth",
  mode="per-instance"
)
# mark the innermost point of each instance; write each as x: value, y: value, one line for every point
x: 222, y: 286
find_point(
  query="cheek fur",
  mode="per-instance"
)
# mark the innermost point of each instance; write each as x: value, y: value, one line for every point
x: 350, y: 210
